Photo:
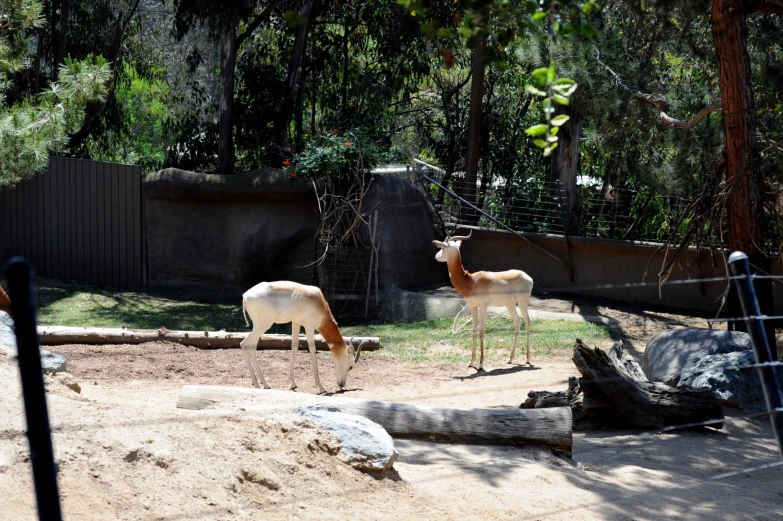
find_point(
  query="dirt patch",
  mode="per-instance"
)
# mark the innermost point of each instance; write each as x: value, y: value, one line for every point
x: 125, y: 452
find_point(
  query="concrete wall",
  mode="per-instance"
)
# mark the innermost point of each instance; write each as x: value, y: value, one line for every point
x: 235, y: 231
x: 601, y: 261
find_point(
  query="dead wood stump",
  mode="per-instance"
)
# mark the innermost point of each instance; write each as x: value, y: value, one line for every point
x: 614, y: 393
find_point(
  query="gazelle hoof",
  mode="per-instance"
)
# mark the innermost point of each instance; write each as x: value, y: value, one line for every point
x: 293, y: 387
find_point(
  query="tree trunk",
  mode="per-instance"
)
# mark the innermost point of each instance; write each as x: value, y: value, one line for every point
x: 550, y: 427
x: 228, y: 57
x: 469, y: 192
x: 744, y: 203
x: 294, y: 66
x: 299, y: 118
x: 565, y: 164
x: 62, y: 37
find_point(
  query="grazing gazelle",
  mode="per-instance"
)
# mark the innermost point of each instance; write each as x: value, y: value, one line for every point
x: 281, y: 302
x: 486, y: 288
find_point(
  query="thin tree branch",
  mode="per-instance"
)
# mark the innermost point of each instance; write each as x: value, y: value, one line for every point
x: 764, y: 6
x: 660, y: 104
x: 257, y: 21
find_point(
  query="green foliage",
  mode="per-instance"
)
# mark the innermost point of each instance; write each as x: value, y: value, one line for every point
x: 143, y: 139
x: 32, y: 127
x: 336, y: 155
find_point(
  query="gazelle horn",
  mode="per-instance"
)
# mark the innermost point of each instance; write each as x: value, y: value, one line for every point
x: 461, y: 238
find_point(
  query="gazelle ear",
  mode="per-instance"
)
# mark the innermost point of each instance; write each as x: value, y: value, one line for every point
x: 438, y: 244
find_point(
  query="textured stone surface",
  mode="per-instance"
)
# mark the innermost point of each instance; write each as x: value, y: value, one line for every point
x: 667, y: 352
x: 50, y: 362
x: 728, y: 375
x: 365, y: 445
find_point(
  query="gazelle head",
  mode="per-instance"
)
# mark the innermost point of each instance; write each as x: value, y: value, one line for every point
x: 344, y: 362
x: 450, y: 247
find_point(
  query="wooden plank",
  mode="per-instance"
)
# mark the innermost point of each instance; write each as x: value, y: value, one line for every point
x: 57, y: 238
x: 101, y: 223
x: 78, y: 203
x: 138, y: 262
x: 115, y: 217
x: 122, y: 225
x: 92, y: 202
x: 58, y: 335
x: 403, y: 420
x: 41, y: 245
x: 67, y: 202
x: 3, y: 225
x: 24, y: 218
x: 48, y: 232
x: 143, y: 220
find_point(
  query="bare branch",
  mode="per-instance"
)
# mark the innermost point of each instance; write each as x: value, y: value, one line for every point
x: 764, y: 6
x: 659, y: 103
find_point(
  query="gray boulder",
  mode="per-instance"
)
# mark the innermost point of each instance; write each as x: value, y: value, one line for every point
x: 365, y: 445
x: 7, y: 336
x: 668, y: 351
x: 729, y: 376
x: 50, y: 362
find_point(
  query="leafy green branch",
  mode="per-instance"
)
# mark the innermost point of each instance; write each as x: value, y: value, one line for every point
x: 553, y: 90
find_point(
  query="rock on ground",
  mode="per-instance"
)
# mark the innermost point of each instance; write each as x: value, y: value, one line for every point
x: 365, y: 445
x: 50, y: 362
x: 668, y: 351
x: 728, y: 375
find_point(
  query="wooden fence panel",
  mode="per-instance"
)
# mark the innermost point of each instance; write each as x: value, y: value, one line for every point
x: 79, y: 220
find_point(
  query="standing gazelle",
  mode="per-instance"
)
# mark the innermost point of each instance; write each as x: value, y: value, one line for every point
x: 280, y: 302
x: 510, y: 288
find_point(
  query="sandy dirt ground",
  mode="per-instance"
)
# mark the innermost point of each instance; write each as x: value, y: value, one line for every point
x: 126, y: 452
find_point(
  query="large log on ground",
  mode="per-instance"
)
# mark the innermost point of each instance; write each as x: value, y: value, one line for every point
x: 551, y: 427
x: 614, y: 393
x: 54, y: 335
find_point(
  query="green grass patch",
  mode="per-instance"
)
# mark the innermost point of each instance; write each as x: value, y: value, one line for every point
x: 432, y: 340
x: 88, y: 307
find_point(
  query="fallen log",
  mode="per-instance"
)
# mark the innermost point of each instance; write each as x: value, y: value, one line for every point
x: 614, y: 393
x: 54, y: 335
x: 551, y: 427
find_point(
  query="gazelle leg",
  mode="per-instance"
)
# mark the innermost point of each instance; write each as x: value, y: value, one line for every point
x: 482, y: 312
x: 313, y: 358
x: 523, y: 302
x: 474, y: 312
x: 512, y: 310
x: 294, y: 351
x: 249, y: 346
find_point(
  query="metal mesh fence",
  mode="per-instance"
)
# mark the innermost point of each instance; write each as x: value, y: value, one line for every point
x: 543, y: 207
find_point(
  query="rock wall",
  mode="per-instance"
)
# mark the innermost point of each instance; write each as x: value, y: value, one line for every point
x: 232, y: 231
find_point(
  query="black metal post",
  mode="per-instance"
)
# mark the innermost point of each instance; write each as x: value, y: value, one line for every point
x: 738, y: 262
x: 19, y: 274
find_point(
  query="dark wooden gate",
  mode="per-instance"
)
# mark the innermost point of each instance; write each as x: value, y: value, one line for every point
x: 79, y: 220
